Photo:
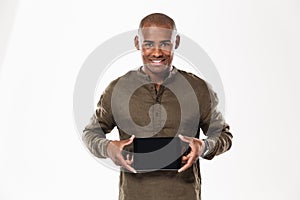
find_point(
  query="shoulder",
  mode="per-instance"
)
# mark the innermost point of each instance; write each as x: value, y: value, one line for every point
x: 201, y: 87
x: 193, y: 79
x: 130, y: 75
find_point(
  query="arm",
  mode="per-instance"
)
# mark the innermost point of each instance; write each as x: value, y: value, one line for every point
x: 213, y: 125
x: 219, y: 139
x: 102, y: 122
x: 95, y: 139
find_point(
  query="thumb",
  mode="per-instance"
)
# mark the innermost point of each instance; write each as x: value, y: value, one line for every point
x: 128, y: 141
x: 184, y: 138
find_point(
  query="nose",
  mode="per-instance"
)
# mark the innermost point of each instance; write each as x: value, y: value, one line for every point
x: 156, y: 52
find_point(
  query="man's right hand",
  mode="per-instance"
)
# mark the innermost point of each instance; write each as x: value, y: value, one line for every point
x: 114, y: 151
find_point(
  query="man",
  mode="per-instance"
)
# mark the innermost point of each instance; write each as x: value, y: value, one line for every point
x: 158, y: 100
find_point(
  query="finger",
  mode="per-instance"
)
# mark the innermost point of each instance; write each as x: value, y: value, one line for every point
x: 129, y: 160
x: 130, y: 157
x: 186, y: 166
x: 125, y: 165
x: 128, y: 141
x: 187, y: 156
x: 191, y: 159
x: 184, y: 158
x: 185, y: 138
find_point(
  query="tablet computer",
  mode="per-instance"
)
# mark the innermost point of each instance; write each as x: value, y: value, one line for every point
x: 157, y: 153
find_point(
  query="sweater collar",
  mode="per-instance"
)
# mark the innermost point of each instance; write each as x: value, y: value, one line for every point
x: 145, y: 76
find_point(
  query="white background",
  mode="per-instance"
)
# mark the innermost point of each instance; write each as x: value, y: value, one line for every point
x: 254, y: 45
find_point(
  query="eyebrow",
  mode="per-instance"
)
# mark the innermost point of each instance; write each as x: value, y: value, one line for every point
x: 165, y: 41
x: 160, y: 41
x: 148, y: 41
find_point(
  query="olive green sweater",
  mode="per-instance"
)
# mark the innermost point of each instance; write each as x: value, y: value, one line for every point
x: 183, y: 104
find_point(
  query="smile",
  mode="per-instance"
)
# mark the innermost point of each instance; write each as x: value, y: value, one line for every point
x: 157, y: 61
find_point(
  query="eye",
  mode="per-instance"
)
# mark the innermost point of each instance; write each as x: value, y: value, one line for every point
x: 148, y: 44
x: 165, y: 44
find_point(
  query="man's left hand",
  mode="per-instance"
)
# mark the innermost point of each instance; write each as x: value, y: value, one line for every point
x: 197, y: 147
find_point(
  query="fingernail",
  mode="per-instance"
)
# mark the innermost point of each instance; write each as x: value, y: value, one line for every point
x: 179, y: 170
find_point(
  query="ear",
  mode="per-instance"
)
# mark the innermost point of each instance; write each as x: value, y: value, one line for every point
x: 177, y: 42
x: 136, y: 42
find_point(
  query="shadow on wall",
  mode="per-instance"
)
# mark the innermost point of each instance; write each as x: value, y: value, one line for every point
x: 8, y: 10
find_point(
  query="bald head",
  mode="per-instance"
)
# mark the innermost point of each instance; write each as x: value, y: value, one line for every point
x: 158, y: 19
x: 157, y: 26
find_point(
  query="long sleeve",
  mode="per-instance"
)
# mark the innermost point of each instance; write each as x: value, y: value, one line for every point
x: 215, y: 128
x: 101, y: 123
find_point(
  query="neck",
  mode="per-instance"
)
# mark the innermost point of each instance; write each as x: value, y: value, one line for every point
x: 157, y: 78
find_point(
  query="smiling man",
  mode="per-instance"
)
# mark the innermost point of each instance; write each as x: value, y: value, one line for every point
x: 157, y: 42
x: 158, y: 100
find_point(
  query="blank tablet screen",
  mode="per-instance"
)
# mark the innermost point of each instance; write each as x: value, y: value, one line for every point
x: 159, y: 153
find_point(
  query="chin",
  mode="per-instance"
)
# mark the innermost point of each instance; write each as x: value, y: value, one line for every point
x: 157, y: 68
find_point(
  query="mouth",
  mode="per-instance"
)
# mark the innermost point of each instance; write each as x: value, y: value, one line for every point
x: 157, y: 61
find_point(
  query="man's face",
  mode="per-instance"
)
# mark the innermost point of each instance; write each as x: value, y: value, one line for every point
x: 157, y: 44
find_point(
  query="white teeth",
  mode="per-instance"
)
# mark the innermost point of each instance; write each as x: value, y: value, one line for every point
x: 156, y: 61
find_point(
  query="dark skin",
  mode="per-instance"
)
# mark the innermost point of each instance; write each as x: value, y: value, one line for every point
x: 157, y: 48
x: 114, y: 151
